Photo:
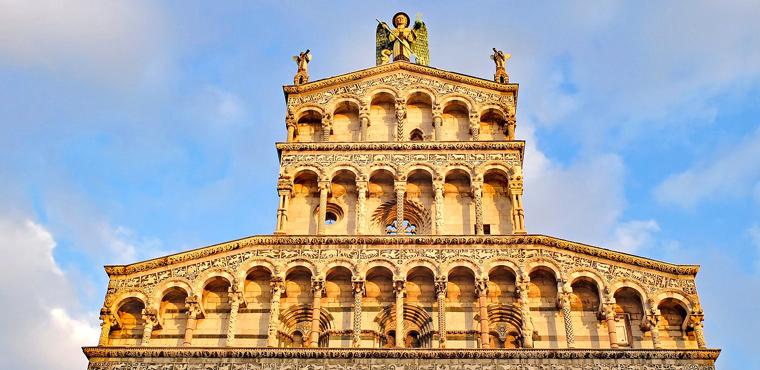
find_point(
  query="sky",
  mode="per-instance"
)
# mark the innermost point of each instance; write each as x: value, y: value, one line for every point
x: 135, y: 129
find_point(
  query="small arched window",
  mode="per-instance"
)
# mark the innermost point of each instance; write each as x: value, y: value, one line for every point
x: 416, y: 135
x: 406, y: 228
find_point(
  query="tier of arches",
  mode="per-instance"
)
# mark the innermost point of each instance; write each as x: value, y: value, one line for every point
x: 451, y: 201
x: 456, y: 305
x: 386, y: 114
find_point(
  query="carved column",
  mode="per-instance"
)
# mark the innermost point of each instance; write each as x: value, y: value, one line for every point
x: 400, y: 290
x: 564, y: 304
x: 696, y: 323
x: 284, y: 189
x: 194, y: 313
x: 511, y: 125
x: 437, y: 121
x: 324, y: 188
x: 235, y: 299
x: 364, y: 120
x: 651, y: 323
x: 400, y: 119
x: 150, y: 318
x: 477, y: 194
x: 475, y: 126
x: 527, y: 320
x: 440, y: 292
x: 290, y: 123
x: 326, y: 127
x: 438, y: 188
x: 317, y: 286
x: 518, y: 214
x: 107, y: 321
x: 358, y: 293
x: 400, y: 189
x: 361, y: 205
x: 274, y: 311
x: 481, y: 287
x: 609, y: 316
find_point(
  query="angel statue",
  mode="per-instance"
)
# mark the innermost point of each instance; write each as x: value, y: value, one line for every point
x: 302, y: 60
x: 500, y: 58
x: 403, y: 41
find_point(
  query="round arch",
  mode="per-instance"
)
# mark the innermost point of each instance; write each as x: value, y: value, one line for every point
x: 379, y: 262
x: 176, y: 282
x: 301, y: 262
x: 124, y: 296
x: 203, y: 278
x: 450, y: 98
x: 466, y: 263
x: 428, y: 263
x: 536, y: 263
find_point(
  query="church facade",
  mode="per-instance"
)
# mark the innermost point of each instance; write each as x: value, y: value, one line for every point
x: 400, y: 243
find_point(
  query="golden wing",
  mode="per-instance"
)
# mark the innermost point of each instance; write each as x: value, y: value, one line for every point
x: 420, y: 45
x: 381, y: 42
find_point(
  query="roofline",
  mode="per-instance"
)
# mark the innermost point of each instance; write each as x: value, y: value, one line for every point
x: 393, y: 240
x: 399, y: 65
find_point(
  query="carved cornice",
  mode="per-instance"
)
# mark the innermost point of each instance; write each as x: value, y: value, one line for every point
x: 430, y: 145
x: 353, y: 241
x: 373, y: 71
x: 347, y: 353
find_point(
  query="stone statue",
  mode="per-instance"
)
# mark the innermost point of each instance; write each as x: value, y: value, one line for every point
x: 500, y: 58
x: 302, y: 60
x: 403, y: 41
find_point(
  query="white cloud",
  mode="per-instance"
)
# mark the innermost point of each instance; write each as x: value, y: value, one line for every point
x: 115, y: 41
x: 40, y: 331
x: 634, y: 235
x: 731, y: 171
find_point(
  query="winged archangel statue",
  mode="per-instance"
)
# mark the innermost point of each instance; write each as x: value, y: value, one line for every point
x: 403, y: 41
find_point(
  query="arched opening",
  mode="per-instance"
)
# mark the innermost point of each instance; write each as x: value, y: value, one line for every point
x: 340, y: 218
x: 380, y: 193
x: 497, y: 206
x: 130, y: 329
x: 492, y: 125
x: 501, y: 286
x: 419, y: 192
x: 173, y: 312
x: 542, y: 297
x: 419, y: 116
x: 212, y: 330
x: 257, y: 293
x: 379, y: 296
x: 629, y: 312
x: 461, y: 308
x: 297, y: 286
x: 304, y: 202
x: 672, y: 328
x: 584, y: 303
x: 456, y: 122
x: 338, y: 298
x: 346, y: 124
x: 382, y: 117
x: 309, y: 126
x: 457, y: 200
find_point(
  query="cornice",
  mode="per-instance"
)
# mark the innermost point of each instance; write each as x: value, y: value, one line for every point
x: 348, y: 353
x: 397, y: 146
x: 353, y: 241
x: 398, y: 66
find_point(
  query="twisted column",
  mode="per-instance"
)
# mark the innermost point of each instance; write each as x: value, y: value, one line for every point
x: 481, y: 287
x: 361, y: 206
x: 107, y: 321
x: 317, y: 286
x: 274, y: 311
x: 527, y: 320
x: 150, y: 318
x: 400, y: 290
x: 194, y: 313
x: 477, y: 194
x: 284, y: 189
x: 438, y: 189
x: 696, y: 322
x: 440, y: 292
x: 400, y: 119
x: 358, y: 290
x: 235, y: 299
x: 400, y: 189
x: 564, y: 303
x: 324, y: 188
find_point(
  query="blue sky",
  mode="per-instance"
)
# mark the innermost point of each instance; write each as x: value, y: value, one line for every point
x: 136, y: 129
